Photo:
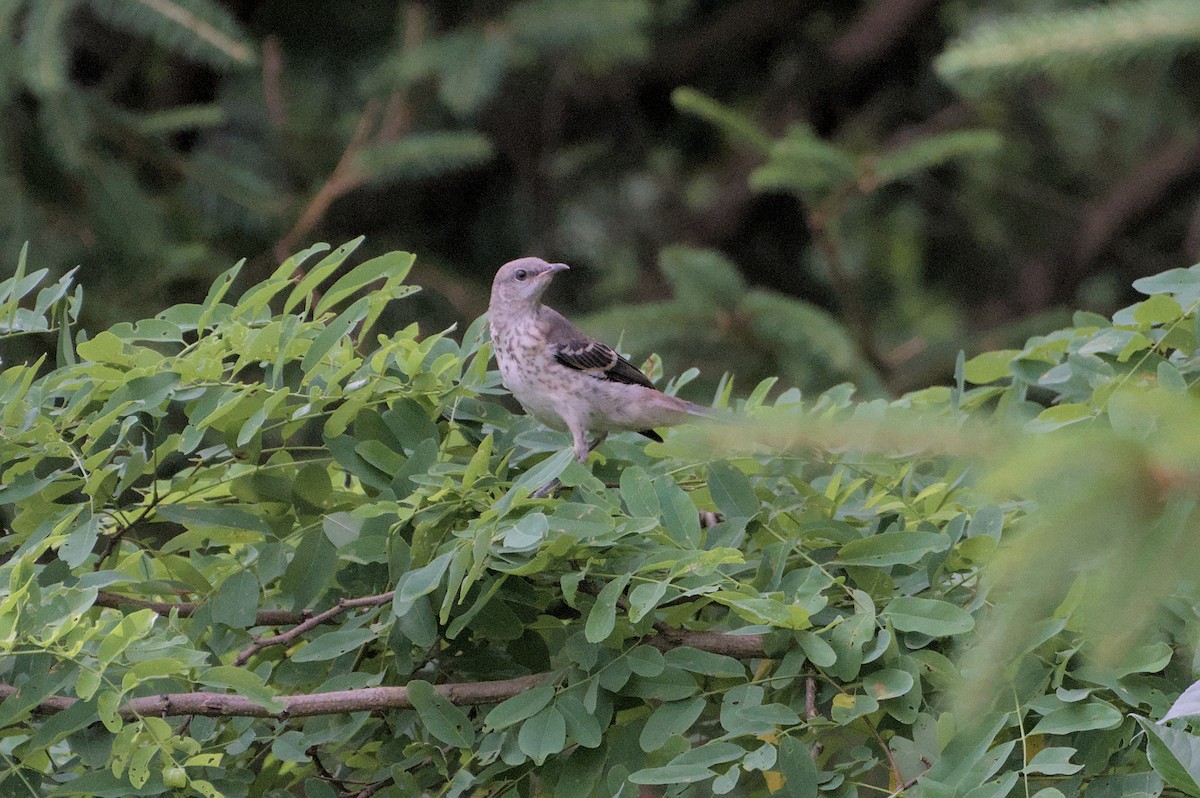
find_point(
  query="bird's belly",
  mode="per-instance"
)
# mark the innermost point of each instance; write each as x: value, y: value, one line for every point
x: 526, y: 380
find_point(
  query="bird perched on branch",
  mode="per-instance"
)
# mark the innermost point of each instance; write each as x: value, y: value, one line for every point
x: 563, y: 378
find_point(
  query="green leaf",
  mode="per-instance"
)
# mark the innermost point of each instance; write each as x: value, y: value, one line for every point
x: 645, y: 597
x: 236, y: 603
x: 1150, y: 658
x: 701, y: 276
x: 602, y: 618
x: 680, y: 517
x: 311, y: 570
x: 1183, y: 284
x: 582, y: 725
x: 670, y: 718
x: 78, y: 546
x: 520, y: 707
x: 543, y: 734
x: 932, y: 151
x: 440, y: 718
x: 888, y: 683
x: 734, y: 125
x: 201, y: 29
x: 307, y: 285
x: 1187, y: 705
x: 804, y: 163
x: 423, y: 154
x: 731, y: 491
x: 1053, y: 762
x: 543, y: 473
x: 798, y: 769
x: 672, y: 774
x: 705, y: 662
x: 1083, y: 716
x: 759, y: 609
x: 927, y: 616
x: 420, y: 582
x: 1174, y: 754
x: 989, y: 366
x: 892, y: 548
x: 1158, y: 309
x: 637, y: 491
x: 817, y: 649
x: 245, y: 682
x: 334, y: 332
x: 1060, y: 416
x: 198, y: 516
x: 333, y: 644
x: 393, y: 266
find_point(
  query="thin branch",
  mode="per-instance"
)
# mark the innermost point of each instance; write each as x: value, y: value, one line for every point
x: 345, y: 177
x: 848, y: 289
x: 372, y: 699
x: 737, y: 646
x: 185, y: 609
x: 272, y: 73
x: 364, y: 699
x: 371, y: 789
x: 876, y: 31
x: 893, y: 765
x: 1143, y: 188
x: 284, y: 638
x: 393, y: 123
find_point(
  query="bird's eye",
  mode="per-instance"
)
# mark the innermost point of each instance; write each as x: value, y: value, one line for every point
x: 521, y: 274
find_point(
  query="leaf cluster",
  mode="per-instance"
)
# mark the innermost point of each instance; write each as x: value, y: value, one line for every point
x: 233, y: 527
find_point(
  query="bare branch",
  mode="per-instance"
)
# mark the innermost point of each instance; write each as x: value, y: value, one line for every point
x: 365, y: 699
x: 311, y: 623
x: 185, y: 609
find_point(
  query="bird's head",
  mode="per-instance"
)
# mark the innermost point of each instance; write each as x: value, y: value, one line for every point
x: 523, y: 281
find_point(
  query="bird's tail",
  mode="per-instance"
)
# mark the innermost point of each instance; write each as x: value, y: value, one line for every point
x: 703, y: 411
x: 670, y: 410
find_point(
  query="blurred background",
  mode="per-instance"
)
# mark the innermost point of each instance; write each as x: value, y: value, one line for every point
x: 820, y: 190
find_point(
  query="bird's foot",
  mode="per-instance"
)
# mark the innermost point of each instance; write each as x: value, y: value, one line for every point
x: 546, y: 490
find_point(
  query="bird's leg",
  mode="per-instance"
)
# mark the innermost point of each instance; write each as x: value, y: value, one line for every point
x: 579, y: 444
x: 592, y: 446
x: 582, y: 450
x: 546, y: 490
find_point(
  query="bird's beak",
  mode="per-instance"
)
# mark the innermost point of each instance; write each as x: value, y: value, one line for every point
x: 555, y: 268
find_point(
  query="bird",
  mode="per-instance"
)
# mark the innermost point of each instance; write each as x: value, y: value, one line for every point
x: 564, y: 378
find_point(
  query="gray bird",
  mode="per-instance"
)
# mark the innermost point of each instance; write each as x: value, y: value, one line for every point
x: 563, y: 378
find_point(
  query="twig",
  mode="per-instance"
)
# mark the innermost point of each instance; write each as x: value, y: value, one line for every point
x: 849, y: 294
x: 345, y: 177
x: 392, y: 124
x: 1145, y: 186
x: 893, y: 765
x: 876, y: 30
x: 272, y: 73
x: 371, y: 789
x: 185, y: 609
x: 363, y: 699
x: 737, y: 646
x: 311, y: 623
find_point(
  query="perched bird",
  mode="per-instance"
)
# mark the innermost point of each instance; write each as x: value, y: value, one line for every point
x: 563, y: 378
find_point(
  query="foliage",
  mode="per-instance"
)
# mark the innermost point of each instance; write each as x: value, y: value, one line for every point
x: 1071, y: 39
x: 253, y: 546
x: 713, y: 311
x: 934, y: 180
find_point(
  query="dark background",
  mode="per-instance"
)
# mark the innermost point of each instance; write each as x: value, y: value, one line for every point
x: 155, y: 150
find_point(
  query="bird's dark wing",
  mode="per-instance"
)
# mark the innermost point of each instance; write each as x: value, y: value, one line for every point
x: 593, y: 357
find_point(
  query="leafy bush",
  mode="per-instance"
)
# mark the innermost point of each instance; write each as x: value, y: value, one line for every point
x: 256, y: 547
